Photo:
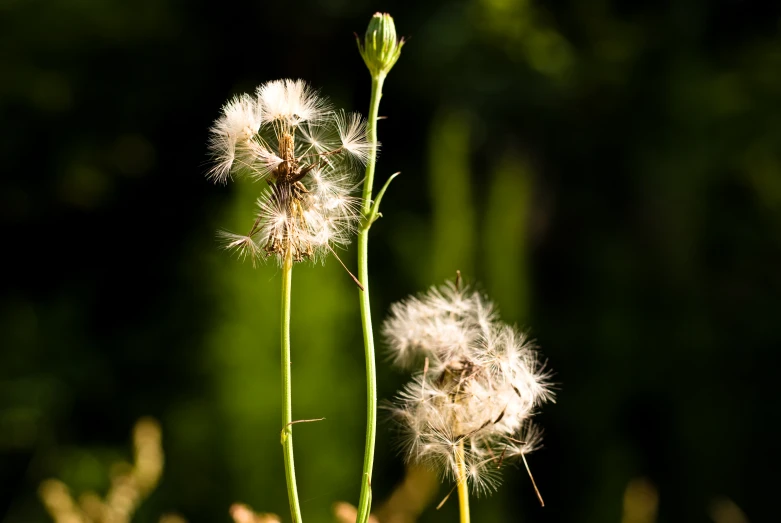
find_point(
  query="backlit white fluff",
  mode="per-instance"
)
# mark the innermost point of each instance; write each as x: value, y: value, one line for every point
x: 288, y: 137
x: 352, y: 136
x: 291, y: 100
x: 231, y: 135
x: 479, y: 382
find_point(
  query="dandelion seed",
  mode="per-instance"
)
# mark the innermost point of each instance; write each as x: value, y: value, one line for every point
x: 470, y: 409
x: 288, y: 137
x: 244, y: 246
x: 352, y: 135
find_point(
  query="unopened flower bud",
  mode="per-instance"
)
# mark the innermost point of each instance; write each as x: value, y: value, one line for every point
x: 380, y: 49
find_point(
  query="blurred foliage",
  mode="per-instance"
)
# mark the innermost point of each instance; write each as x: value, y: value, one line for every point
x: 130, y: 484
x: 609, y: 171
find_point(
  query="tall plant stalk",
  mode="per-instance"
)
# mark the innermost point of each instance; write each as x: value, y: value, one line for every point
x: 364, y: 504
x: 287, y: 395
x: 380, y: 50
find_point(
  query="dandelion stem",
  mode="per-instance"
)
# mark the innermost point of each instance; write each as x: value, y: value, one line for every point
x: 287, y: 403
x: 364, y: 504
x: 463, y: 487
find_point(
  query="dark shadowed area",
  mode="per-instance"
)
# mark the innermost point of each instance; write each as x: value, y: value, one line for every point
x: 608, y: 172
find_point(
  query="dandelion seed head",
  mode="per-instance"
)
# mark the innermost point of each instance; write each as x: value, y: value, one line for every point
x: 288, y: 137
x: 481, y: 387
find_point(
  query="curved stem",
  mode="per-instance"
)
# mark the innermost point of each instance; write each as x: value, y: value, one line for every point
x: 364, y: 504
x: 287, y: 394
x: 463, y: 486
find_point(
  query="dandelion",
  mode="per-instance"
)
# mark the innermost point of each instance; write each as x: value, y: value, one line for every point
x: 469, y: 410
x: 288, y: 137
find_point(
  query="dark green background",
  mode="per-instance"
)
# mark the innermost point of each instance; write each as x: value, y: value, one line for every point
x: 609, y: 172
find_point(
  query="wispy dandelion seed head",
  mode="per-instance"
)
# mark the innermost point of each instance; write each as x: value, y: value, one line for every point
x: 480, y: 386
x: 288, y: 137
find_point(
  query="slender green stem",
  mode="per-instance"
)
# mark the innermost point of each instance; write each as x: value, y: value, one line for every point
x: 371, y: 135
x: 364, y: 504
x: 287, y: 395
x: 463, y: 486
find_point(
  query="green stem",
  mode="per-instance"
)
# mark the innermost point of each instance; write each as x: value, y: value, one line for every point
x: 371, y: 135
x: 364, y: 504
x: 287, y: 394
x: 463, y: 486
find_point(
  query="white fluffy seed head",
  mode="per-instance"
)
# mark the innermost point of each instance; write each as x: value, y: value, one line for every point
x: 287, y: 136
x: 480, y: 385
x: 438, y: 325
x: 230, y: 136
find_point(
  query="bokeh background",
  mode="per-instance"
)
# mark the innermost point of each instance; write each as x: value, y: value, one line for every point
x: 608, y: 172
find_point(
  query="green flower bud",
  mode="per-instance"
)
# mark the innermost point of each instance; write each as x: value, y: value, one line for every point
x: 380, y: 49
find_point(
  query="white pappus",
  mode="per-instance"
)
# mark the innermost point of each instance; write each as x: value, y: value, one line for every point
x: 288, y: 137
x: 480, y: 384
